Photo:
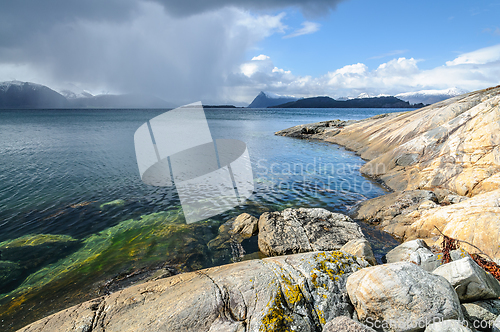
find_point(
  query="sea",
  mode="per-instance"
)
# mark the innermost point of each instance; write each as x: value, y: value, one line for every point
x: 75, y: 217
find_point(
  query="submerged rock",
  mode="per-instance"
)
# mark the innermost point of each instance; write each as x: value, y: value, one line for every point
x: 126, y: 248
x: 302, y: 291
x: 9, y: 272
x: 401, y: 297
x: 116, y: 202
x: 33, y: 240
x: 301, y: 230
x: 470, y: 281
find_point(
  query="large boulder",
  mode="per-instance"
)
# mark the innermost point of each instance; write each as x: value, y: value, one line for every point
x: 401, y: 297
x: 470, y: 281
x: 302, y: 230
x: 300, y: 292
x: 447, y: 326
x: 345, y: 324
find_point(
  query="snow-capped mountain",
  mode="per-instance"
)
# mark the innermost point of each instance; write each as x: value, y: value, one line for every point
x: 72, y: 95
x: 16, y: 94
x: 430, y: 96
x: 267, y: 99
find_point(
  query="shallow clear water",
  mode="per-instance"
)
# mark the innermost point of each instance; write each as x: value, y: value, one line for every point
x: 57, y: 168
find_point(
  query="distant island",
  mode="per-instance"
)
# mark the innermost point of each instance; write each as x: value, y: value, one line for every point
x: 221, y: 106
x: 327, y: 102
x: 415, y: 98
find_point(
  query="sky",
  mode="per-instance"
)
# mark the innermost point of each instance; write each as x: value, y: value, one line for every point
x: 227, y: 51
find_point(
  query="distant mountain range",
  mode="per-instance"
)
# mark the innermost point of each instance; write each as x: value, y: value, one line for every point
x: 19, y: 95
x: 267, y: 99
x: 430, y: 96
x: 364, y: 100
x: 327, y: 102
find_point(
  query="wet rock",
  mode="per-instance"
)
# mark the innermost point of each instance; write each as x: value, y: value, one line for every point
x: 401, y: 295
x: 470, y: 281
x: 245, y: 225
x: 482, y: 314
x: 315, y: 130
x: 415, y: 251
x: 227, y: 246
x: 447, y: 326
x: 302, y: 291
x: 302, y: 230
x: 360, y: 248
x: 345, y: 324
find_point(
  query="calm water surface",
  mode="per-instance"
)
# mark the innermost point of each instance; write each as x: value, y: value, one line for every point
x: 58, y: 241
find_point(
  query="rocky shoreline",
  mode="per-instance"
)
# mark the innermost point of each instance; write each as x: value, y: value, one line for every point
x: 442, y: 163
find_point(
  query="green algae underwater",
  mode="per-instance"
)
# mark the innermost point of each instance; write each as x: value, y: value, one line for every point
x: 145, y: 242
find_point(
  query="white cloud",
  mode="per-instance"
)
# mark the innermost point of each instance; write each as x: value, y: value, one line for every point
x: 260, y: 57
x: 481, y: 56
x: 472, y: 71
x: 307, y: 28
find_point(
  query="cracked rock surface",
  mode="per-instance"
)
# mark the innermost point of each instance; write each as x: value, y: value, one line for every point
x: 301, y: 230
x: 304, y: 291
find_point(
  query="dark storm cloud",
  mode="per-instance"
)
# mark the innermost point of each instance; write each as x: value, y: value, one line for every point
x: 153, y: 46
x: 309, y: 8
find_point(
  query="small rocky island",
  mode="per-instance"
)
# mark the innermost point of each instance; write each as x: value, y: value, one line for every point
x: 442, y: 163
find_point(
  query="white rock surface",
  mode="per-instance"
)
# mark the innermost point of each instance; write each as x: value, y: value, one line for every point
x: 470, y: 281
x: 403, y: 295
